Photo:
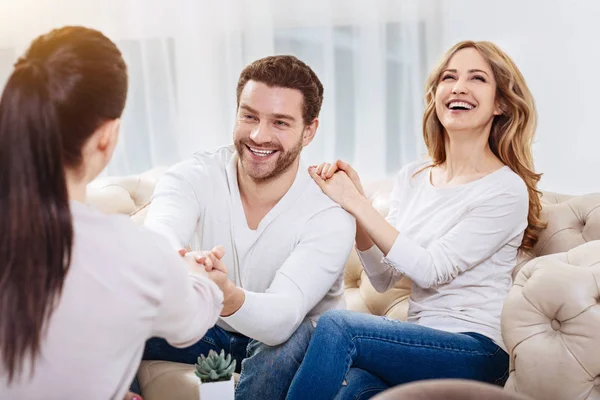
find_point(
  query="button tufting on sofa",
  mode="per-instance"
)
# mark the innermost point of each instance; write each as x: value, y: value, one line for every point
x: 557, y: 292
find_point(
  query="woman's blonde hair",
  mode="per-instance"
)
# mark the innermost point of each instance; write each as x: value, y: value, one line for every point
x: 512, y: 132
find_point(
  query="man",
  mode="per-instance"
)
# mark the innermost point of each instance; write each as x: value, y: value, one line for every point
x: 285, y: 242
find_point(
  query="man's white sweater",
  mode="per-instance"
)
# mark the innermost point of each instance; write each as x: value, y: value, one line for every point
x: 290, y: 267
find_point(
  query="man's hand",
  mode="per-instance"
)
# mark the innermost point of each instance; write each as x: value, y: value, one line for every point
x: 233, y: 297
x: 193, y: 266
x: 209, y: 260
x: 216, y: 270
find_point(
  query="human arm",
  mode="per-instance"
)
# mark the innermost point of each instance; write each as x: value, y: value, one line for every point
x: 326, y: 171
x: 190, y: 302
x: 381, y: 275
x: 482, y: 232
x: 304, y: 279
x: 210, y: 264
x: 175, y: 207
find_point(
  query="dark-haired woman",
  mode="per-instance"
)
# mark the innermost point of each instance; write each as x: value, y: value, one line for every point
x: 80, y: 292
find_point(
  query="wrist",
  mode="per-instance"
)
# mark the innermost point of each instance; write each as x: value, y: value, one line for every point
x: 233, y: 298
x: 228, y: 289
x: 357, y: 203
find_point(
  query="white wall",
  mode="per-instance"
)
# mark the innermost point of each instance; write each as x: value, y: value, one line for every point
x: 556, y: 45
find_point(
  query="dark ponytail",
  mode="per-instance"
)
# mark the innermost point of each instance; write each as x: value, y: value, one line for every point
x: 68, y: 83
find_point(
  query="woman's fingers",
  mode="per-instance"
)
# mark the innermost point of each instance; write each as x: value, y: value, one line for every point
x: 344, y: 166
x: 316, y: 177
x: 330, y: 171
x: 352, y: 174
x: 322, y: 169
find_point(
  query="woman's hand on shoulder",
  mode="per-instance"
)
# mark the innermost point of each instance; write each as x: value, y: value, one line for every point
x: 326, y: 170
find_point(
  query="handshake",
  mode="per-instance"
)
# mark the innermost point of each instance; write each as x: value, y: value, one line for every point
x: 209, y: 264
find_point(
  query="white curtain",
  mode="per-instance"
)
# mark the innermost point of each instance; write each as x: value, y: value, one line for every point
x: 184, y: 58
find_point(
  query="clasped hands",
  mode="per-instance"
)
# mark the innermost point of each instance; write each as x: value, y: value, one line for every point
x: 210, y: 264
x: 340, y: 182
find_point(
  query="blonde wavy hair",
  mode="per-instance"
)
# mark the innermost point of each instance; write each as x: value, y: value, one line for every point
x: 512, y: 132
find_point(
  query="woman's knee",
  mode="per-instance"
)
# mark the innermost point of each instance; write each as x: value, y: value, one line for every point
x: 336, y: 328
x: 347, y: 321
x: 334, y: 320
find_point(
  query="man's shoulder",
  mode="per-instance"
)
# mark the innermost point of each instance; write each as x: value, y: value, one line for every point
x: 314, y: 197
x: 322, y: 217
x: 220, y: 156
x: 216, y: 158
x: 315, y: 202
x: 203, y: 163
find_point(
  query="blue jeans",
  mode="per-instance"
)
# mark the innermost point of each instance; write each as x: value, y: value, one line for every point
x: 355, y: 356
x: 266, y: 371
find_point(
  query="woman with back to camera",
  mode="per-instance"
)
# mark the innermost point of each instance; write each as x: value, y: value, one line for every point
x: 80, y: 292
x: 455, y: 226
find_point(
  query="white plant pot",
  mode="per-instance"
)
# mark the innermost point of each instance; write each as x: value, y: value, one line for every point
x: 217, y: 390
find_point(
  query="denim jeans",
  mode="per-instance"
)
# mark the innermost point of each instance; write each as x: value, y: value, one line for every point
x: 266, y: 371
x: 355, y: 356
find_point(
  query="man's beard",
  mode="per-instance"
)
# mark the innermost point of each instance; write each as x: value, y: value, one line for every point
x: 284, y: 161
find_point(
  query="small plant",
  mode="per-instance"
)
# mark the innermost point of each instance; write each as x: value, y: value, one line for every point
x: 215, y: 367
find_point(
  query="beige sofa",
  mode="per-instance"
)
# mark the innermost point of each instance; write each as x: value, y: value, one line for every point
x: 551, y: 318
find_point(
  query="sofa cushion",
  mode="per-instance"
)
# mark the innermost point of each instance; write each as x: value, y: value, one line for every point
x: 572, y: 221
x: 546, y: 319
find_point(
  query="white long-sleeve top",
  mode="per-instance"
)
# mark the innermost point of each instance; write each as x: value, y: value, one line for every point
x: 458, y: 245
x: 290, y: 267
x: 124, y: 286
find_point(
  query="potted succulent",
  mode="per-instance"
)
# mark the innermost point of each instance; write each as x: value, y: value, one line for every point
x: 215, y: 372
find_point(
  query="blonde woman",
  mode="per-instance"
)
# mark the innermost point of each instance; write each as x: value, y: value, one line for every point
x: 455, y: 226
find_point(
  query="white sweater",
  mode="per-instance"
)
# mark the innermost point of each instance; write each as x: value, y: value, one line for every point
x: 458, y: 245
x: 124, y: 286
x: 290, y: 267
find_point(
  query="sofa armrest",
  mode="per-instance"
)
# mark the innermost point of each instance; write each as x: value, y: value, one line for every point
x: 361, y: 296
x: 111, y: 199
x: 551, y: 326
x: 128, y: 195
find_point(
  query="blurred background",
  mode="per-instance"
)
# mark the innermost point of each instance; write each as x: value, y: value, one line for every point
x: 184, y: 58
